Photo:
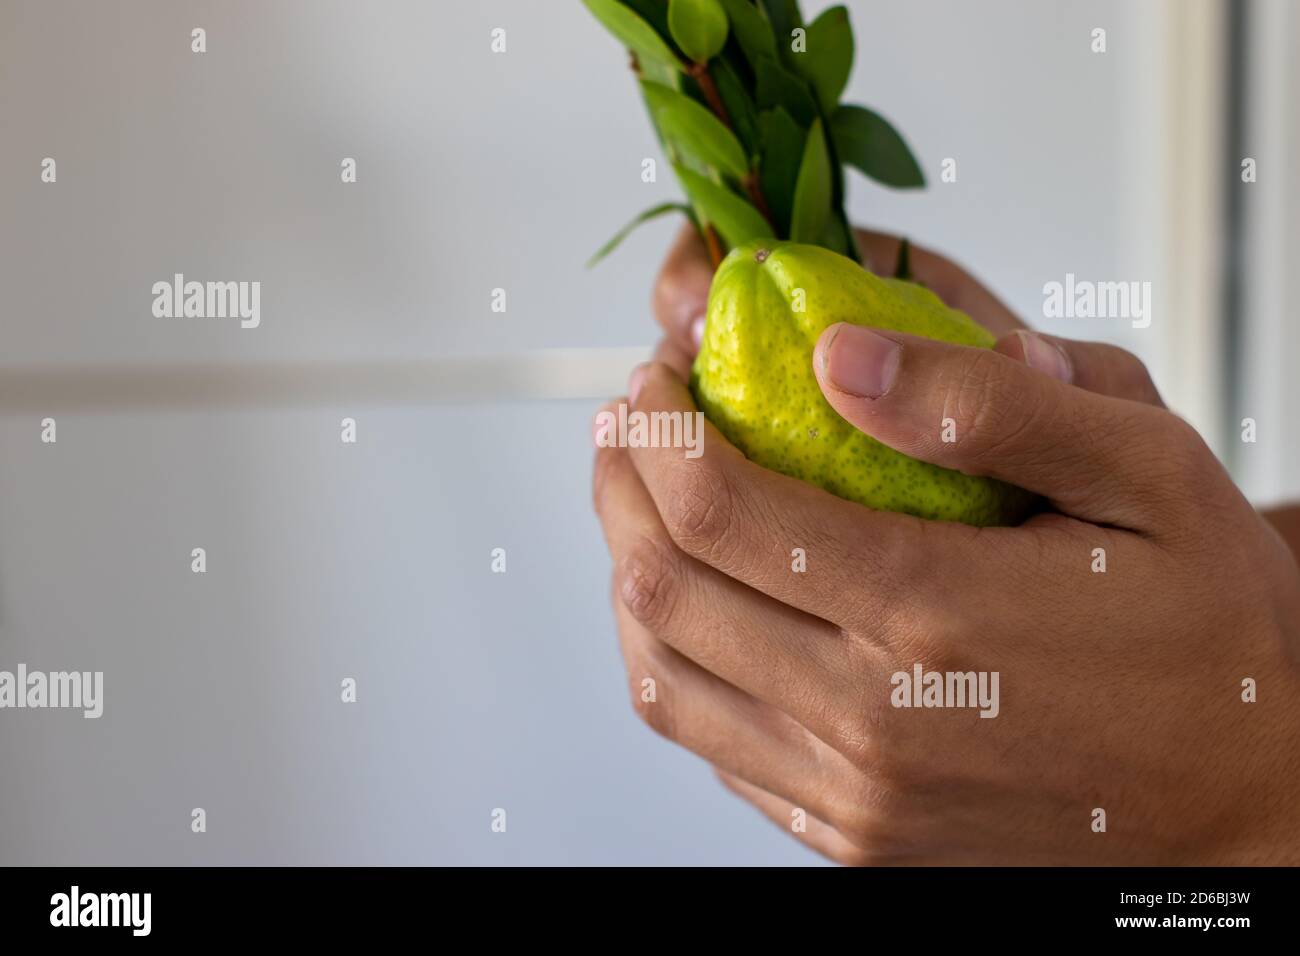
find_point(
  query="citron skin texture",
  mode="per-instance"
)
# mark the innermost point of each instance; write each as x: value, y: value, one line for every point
x: 753, y: 378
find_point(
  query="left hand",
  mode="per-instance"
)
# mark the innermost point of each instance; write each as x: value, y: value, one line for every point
x: 1120, y: 690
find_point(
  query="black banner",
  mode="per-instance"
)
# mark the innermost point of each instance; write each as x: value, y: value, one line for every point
x: 333, y: 905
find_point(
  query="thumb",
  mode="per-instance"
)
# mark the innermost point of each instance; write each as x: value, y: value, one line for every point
x: 983, y: 413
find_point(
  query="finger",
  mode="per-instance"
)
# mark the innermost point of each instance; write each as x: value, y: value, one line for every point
x: 686, y: 704
x: 774, y: 652
x: 949, y: 281
x: 817, y: 834
x: 799, y: 544
x: 1102, y: 459
x: 681, y: 293
x: 1093, y: 366
x: 671, y: 354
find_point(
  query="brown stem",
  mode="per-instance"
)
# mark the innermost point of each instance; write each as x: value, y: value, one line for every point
x: 715, y: 246
x: 756, y: 197
x: 700, y: 73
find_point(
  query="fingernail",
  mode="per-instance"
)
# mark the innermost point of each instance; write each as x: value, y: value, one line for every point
x: 697, y: 331
x: 1045, y: 356
x: 860, y: 362
x: 635, y: 382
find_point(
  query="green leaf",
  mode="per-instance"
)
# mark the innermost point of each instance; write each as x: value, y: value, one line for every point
x: 868, y: 142
x: 837, y: 238
x: 695, y: 131
x: 652, y: 213
x: 699, y: 27
x: 782, y: 151
x: 829, y: 56
x: 785, y: 19
x: 812, y: 193
x: 777, y: 86
x: 736, y: 221
x: 665, y: 74
x: 653, y: 12
x: 850, y: 237
x: 633, y: 32
x: 751, y: 29
x: 740, y: 107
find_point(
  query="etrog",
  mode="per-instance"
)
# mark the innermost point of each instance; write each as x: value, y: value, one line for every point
x: 753, y: 378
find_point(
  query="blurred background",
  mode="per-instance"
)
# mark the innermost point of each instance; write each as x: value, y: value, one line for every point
x: 478, y: 171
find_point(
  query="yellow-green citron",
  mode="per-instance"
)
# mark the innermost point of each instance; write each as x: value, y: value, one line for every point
x: 753, y: 378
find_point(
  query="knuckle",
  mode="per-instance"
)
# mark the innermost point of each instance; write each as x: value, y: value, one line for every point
x: 860, y: 743
x: 981, y: 399
x: 648, y: 583
x: 881, y: 820
x: 901, y: 593
x: 875, y: 754
x: 1134, y: 374
x: 701, y: 513
x: 975, y: 375
x: 903, y: 566
x: 923, y: 643
x: 1185, y: 470
x: 1187, y: 444
x: 1116, y: 371
x: 1175, y: 454
x: 864, y: 736
x: 869, y: 823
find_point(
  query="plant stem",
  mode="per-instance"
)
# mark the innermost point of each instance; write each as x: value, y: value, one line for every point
x: 756, y: 197
x: 700, y: 73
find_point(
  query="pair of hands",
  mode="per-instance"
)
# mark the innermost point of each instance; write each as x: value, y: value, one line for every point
x: 1121, y: 690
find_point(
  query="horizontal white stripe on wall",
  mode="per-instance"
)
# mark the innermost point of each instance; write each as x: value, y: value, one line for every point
x: 544, y: 375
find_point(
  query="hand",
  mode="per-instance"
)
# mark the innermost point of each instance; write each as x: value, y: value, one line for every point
x: 1120, y: 691
x: 682, y: 290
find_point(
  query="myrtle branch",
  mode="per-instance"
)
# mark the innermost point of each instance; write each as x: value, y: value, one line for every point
x: 700, y: 73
